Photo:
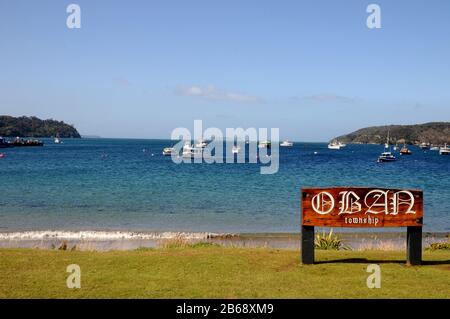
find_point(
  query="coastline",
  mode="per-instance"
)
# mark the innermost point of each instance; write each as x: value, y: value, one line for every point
x: 129, y: 240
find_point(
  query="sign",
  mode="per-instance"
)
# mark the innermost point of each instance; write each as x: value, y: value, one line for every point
x: 361, y: 207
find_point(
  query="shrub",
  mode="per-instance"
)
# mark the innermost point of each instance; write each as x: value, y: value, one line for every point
x: 329, y: 242
x: 440, y: 246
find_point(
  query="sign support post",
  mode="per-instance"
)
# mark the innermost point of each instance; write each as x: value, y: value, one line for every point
x: 307, y: 245
x: 414, y: 245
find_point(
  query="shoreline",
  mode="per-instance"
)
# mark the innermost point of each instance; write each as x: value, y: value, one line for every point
x: 123, y: 240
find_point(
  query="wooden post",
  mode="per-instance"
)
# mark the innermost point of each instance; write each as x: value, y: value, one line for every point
x: 308, y: 245
x: 414, y: 245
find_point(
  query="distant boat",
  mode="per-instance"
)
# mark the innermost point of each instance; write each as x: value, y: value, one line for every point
x: 435, y: 148
x: 167, y: 151
x: 335, y: 145
x: 444, y: 150
x: 187, y: 150
x: 57, y: 139
x: 235, y: 149
x: 265, y: 144
x: 286, y: 144
x: 386, y: 156
x: 3, y: 143
x: 405, y: 151
x: 20, y: 142
x: 424, y: 146
x: 201, y: 143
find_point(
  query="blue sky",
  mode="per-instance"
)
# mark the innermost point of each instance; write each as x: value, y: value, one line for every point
x: 142, y: 68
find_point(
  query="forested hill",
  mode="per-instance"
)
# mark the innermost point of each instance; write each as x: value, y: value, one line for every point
x: 34, y: 127
x: 436, y: 133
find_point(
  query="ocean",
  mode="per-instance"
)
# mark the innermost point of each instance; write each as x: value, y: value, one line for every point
x: 128, y: 185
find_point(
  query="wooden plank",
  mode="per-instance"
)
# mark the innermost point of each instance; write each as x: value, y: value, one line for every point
x: 361, y: 207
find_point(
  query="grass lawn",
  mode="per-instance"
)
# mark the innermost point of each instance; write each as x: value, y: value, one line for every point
x: 219, y: 272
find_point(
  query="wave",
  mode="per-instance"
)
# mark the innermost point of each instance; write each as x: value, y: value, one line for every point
x: 106, y: 235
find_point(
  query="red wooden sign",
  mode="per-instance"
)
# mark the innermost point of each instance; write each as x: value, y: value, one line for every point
x: 361, y: 207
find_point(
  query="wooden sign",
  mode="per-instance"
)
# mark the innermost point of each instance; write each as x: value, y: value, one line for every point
x: 361, y: 207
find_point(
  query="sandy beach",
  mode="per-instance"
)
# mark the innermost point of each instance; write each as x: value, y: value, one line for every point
x: 121, y: 240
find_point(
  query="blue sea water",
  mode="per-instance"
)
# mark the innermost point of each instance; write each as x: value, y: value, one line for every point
x: 127, y: 184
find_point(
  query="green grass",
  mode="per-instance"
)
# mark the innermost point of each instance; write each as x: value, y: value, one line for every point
x: 207, y: 271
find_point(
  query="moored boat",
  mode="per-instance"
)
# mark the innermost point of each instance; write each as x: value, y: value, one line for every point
x: 201, y: 143
x: 20, y: 142
x: 286, y: 144
x: 167, y: 151
x: 4, y: 143
x: 386, y: 156
x: 445, y: 150
x: 424, y: 146
x: 265, y: 144
x: 405, y: 150
x: 334, y: 145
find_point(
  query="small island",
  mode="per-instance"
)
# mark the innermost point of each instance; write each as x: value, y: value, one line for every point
x: 436, y: 133
x: 25, y: 126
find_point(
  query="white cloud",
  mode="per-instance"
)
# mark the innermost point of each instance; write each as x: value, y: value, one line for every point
x: 212, y: 93
x: 330, y: 97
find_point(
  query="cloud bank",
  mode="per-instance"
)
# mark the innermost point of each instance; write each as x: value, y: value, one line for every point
x: 210, y: 92
x: 329, y: 97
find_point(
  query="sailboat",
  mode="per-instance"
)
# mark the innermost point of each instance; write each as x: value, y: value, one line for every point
x: 386, y: 156
x: 57, y: 139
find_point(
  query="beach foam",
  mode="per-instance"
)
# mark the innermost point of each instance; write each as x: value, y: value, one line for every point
x: 105, y: 235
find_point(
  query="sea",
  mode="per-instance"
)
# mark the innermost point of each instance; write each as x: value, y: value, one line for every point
x: 127, y: 185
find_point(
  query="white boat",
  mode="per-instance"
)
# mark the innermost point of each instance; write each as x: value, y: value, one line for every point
x: 435, y: 148
x: 201, y: 144
x: 286, y: 144
x: 264, y: 144
x: 334, y: 145
x: 167, y: 151
x: 187, y: 149
x: 424, y: 146
x: 190, y: 151
x: 386, y: 156
x: 235, y: 149
x: 57, y: 140
x: 444, y: 150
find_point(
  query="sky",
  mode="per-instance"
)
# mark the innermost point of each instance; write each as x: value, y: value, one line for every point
x: 140, y: 69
